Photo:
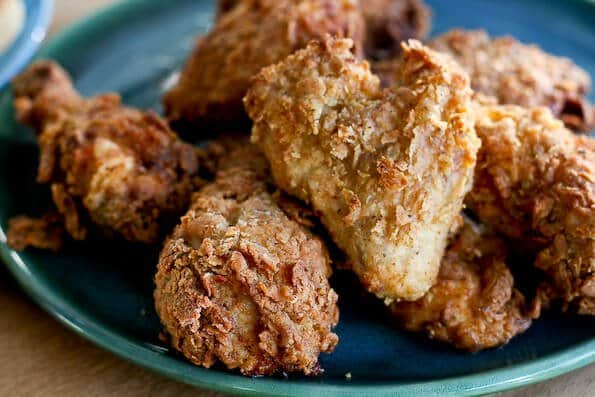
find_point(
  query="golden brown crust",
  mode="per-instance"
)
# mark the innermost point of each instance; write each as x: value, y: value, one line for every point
x: 474, y: 304
x: 535, y: 183
x: 118, y: 168
x: 521, y: 74
x: 240, y: 283
x: 253, y: 34
x: 44, y: 233
x: 386, y: 170
x: 389, y: 22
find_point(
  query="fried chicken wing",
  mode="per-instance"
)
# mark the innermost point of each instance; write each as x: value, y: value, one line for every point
x: 253, y: 34
x: 241, y: 283
x: 535, y: 184
x: 521, y: 74
x: 389, y: 22
x: 474, y: 304
x: 117, y: 168
x: 386, y: 170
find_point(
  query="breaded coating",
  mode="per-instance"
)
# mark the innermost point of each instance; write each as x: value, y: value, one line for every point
x: 388, y: 22
x: 253, y: 34
x: 474, y: 304
x: 240, y: 283
x: 117, y: 168
x: 522, y: 74
x: 535, y: 184
x: 386, y: 170
x: 44, y: 233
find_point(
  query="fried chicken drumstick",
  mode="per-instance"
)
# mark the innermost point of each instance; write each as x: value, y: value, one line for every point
x: 535, y: 184
x: 253, y: 34
x: 386, y: 170
x: 116, y: 168
x: 474, y: 304
x: 241, y: 283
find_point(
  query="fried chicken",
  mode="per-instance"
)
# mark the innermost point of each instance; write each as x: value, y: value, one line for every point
x: 253, y: 34
x: 535, y: 184
x: 522, y: 74
x: 474, y: 304
x: 44, y: 233
x: 115, y: 168
x: 388, y: 22
x: 386, y: 170
x: 241, y: 283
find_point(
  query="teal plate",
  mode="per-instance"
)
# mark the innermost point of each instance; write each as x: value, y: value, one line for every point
x: 103, y: 291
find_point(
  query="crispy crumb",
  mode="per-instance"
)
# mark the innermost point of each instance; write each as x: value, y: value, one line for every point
x: 386, y: 170
x: 535, y: 184
x: 241, y: 283
x: 116, y: 169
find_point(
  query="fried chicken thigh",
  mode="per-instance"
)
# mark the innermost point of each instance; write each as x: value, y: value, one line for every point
x: 116, y: 168
x: 535, y: 184
x: 521, y: 74
x: 385, y: 170
x: 241, y: 283
x: 388, y: 22
x: 253, y: 34
x: 474, y: 304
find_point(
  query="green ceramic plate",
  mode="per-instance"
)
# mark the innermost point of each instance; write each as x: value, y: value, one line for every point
x: 103, y: 291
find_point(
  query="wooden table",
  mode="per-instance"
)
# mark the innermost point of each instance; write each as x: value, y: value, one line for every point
x: 42, y: 358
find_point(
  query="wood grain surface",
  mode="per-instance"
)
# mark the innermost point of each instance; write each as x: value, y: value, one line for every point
x: 39, y: 357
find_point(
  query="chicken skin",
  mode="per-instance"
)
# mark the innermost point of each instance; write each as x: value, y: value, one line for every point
x: 521, y: 74
x: 535, y: 184
x: 253, y: 34
x: 385, y: 170
x: 388, y: 22
x: 118, y: 169
x: 241, y: 283
x: 473, y: 305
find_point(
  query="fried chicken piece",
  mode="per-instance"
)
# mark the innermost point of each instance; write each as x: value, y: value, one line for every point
x: 535, y: 184
x: 522, y: 74
x: 44, y: 233
x: 253, y: 34
x: 389, y: 22
x: 241, y: 283
x: 474, y: 304
x: 386, y: 170
x: 117, y: 168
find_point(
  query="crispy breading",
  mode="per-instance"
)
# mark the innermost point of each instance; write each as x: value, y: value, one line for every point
x: 535, y: 184
x: 117, y: 168
x: 386, y: 170
x: 45, y: 232
x: 253, y: 34
x: 389, y: 22
x: 241, y: 283
x: 474, y: 304
x: 521, y: 74
x: 513, y: 73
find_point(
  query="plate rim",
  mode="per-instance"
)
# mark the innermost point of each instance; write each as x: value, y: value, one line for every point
x: 150, y: 356
x: 24, y: 46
